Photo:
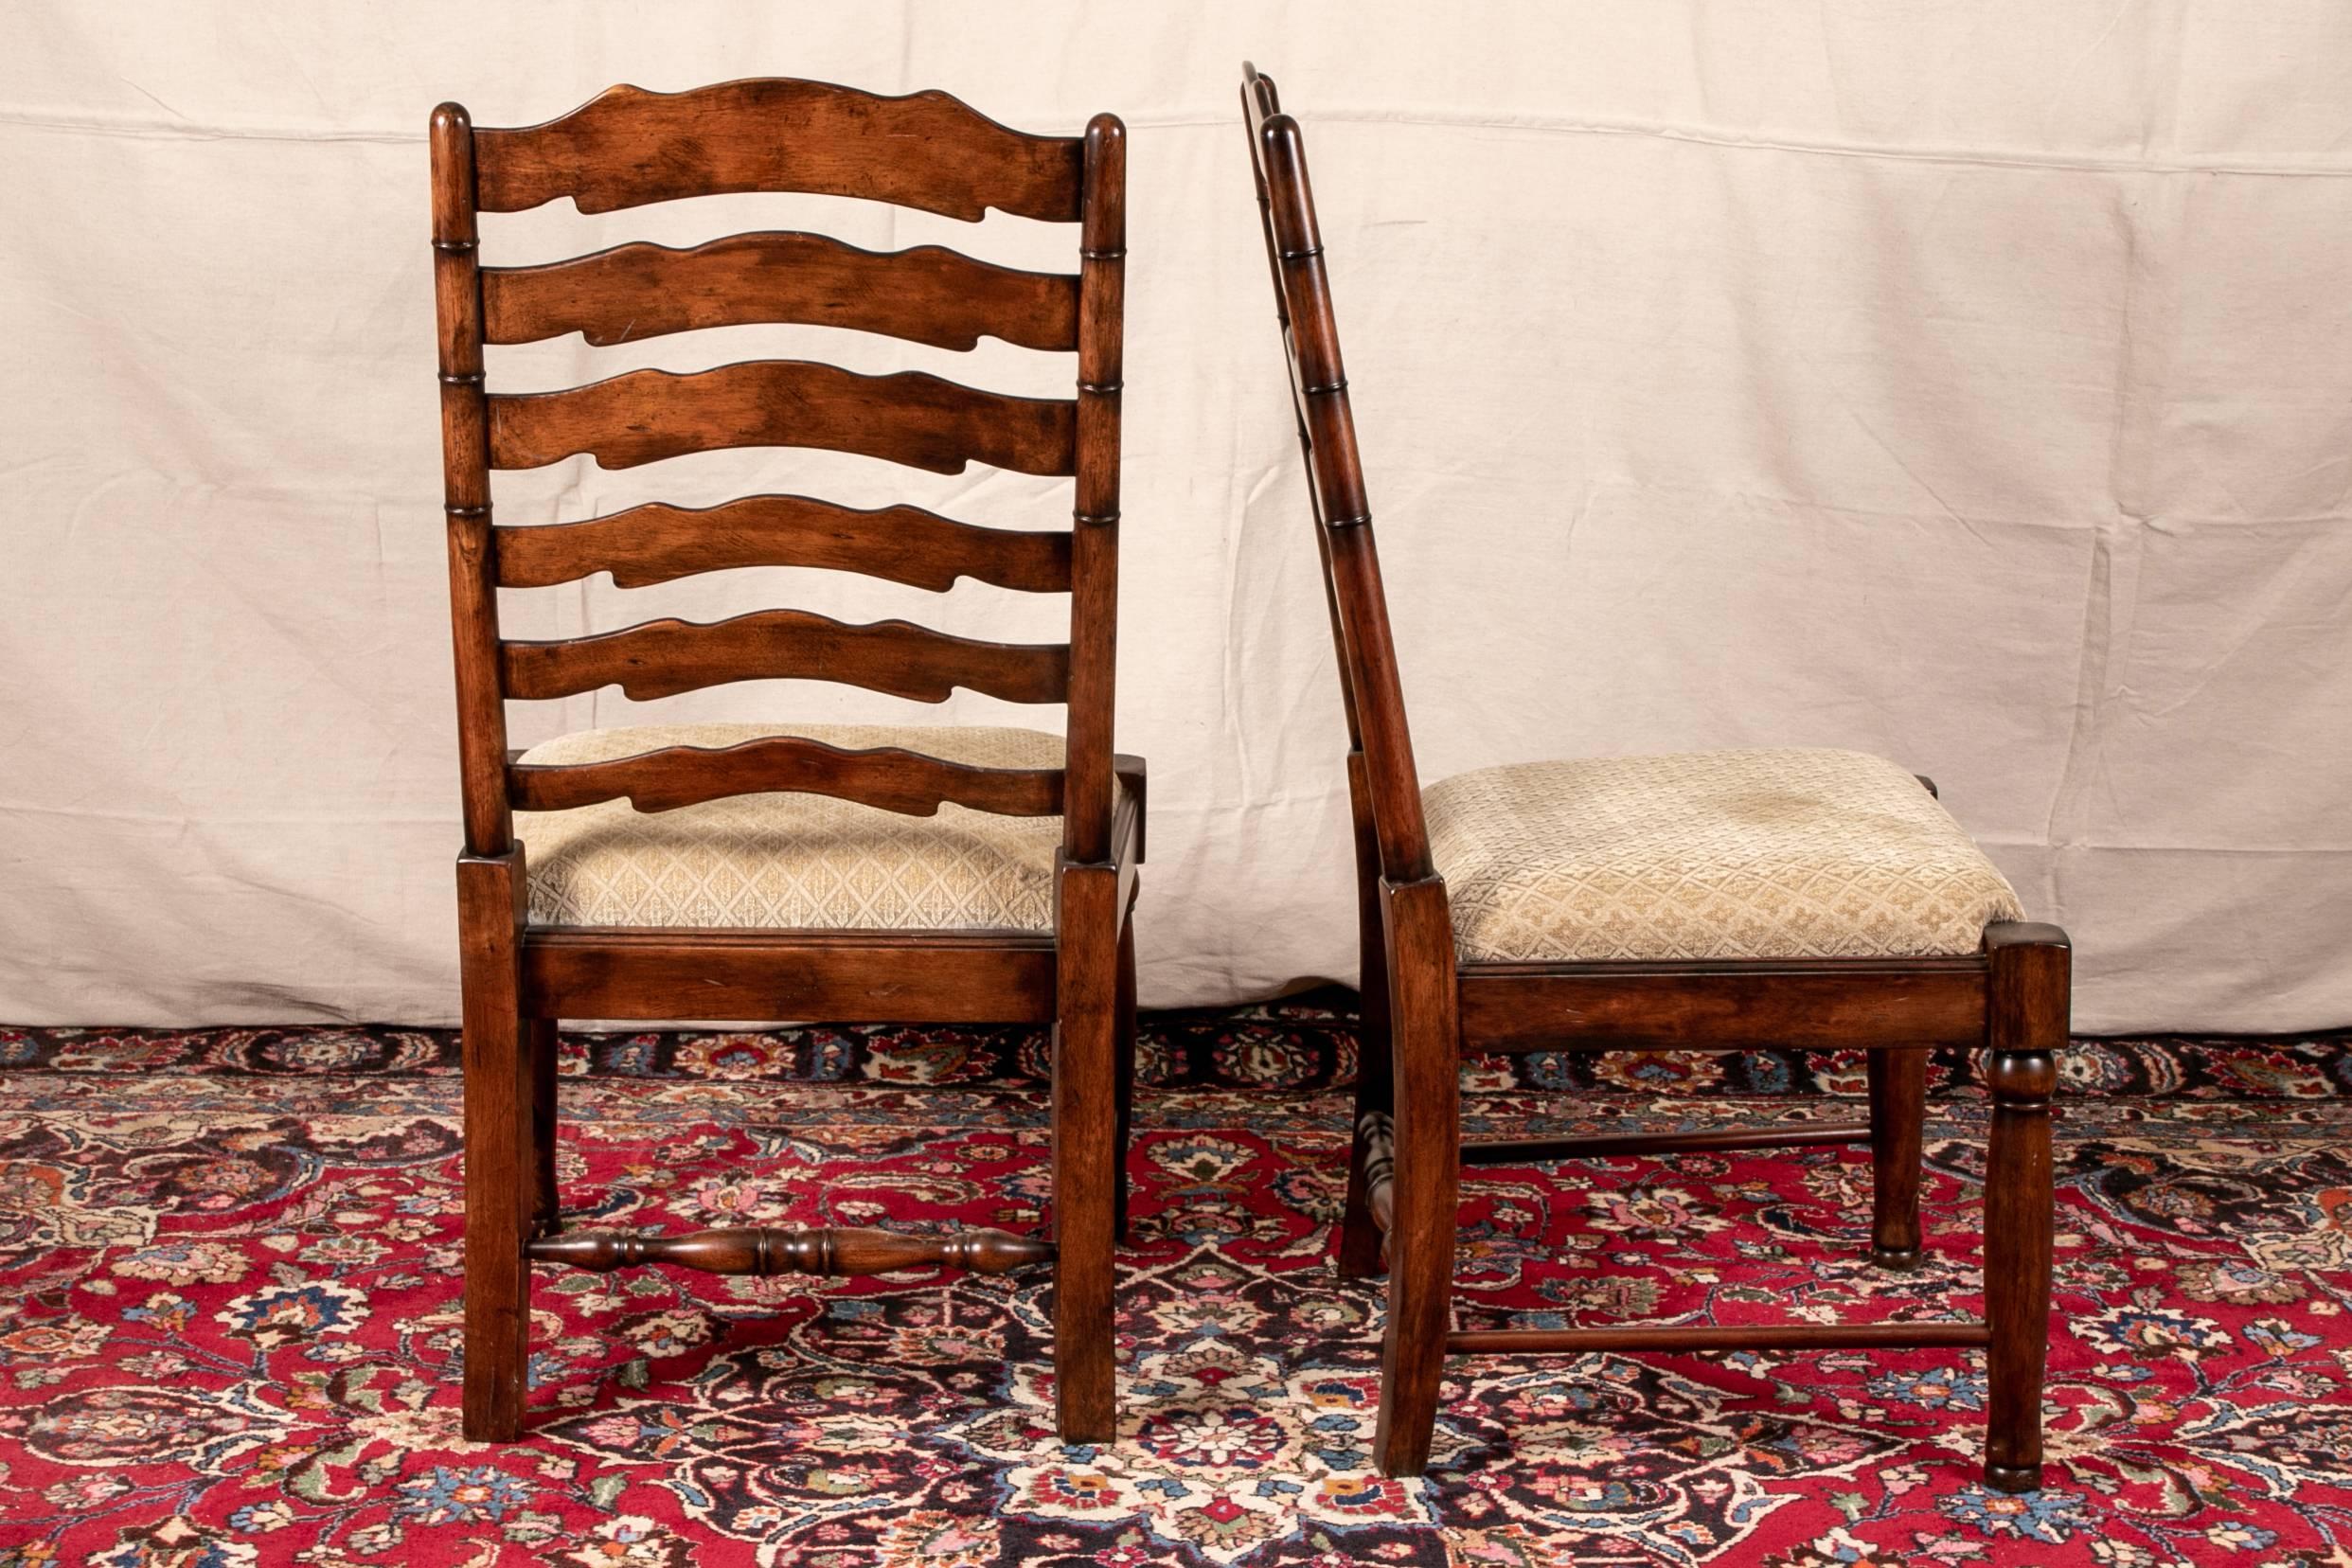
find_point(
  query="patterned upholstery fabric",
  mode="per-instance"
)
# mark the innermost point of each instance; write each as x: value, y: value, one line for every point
x: 794, y: 859
x: 1730, y: 854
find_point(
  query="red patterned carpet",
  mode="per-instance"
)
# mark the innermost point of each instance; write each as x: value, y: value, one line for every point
x: 228, y: 1317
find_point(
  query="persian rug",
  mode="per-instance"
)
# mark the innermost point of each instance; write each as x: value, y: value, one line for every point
x: 229, y: 1278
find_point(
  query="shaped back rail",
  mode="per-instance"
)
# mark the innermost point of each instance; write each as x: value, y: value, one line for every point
x: 925, y: 151
x: 1327, y: 436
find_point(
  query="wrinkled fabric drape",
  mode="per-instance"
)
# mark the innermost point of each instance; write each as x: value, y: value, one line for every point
x: 1970, y: 384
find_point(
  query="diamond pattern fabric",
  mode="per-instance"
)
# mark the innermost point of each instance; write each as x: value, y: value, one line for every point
x: 1728, y: 854
x: 794, y: 859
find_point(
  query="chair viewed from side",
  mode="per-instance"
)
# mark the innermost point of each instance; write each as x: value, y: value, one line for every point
x: 1717, y: 901
x: 780, y: 871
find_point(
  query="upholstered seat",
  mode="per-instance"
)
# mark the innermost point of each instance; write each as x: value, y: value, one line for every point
x: 794, y: 859
x: 1728, y: 854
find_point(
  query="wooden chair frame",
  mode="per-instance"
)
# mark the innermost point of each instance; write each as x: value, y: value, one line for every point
x: 925, y: 151
x: 1424, y: 1007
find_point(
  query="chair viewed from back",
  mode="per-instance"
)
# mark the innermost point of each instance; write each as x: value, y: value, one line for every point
x: 780, y: 871
x: 1717, y: 901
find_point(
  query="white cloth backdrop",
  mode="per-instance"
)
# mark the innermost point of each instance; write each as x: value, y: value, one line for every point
x: 1969, y: 382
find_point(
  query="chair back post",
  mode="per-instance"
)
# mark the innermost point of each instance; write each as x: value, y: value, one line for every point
x: 465, y: 484
x: 1095, y: 542
x: 1367, y: 654
x: 1260, y: 103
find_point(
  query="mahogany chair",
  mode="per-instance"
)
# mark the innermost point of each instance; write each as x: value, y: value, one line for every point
x: 774, y: 871
x: 1812, y: 899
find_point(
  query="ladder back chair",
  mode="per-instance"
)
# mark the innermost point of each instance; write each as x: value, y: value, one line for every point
x: 1569, y: 925
x: 774, y: 871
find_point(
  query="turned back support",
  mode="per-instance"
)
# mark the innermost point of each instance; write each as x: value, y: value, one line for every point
x: 1326, y: 435
x: 927, y: 151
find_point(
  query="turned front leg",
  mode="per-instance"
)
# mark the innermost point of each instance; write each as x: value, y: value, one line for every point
x: 2026, y: 1026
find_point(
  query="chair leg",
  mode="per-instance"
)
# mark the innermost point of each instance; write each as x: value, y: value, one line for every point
x: 1897, y: 1126
x: 1425, y: 1211
x: 2026, y: 1026
x: 547, y: 1207
x: 498, y: 1099
x: 1085, y: 1154
x: 1360, y: 1234
x: 1125, y: 1067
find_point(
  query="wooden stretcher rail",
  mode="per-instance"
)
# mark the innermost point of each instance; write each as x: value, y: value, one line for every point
x: 748, y: 1250
x: 1730, y: 1336
x: 1786, y: 1135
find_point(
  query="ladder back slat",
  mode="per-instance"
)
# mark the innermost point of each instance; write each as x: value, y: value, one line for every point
x: 929, y: 295
x: 628, y: 147
x: 909, y: 417
x: 658, y: 542
x: 925, y: 151
x: 891, y: 777
x: 663, y: 658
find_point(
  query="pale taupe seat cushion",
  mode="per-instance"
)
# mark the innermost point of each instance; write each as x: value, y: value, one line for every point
x: 1729, y: 854
x: 794, y: 859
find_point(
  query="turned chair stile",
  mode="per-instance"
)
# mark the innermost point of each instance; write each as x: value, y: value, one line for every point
x: 990, y: 911
x: 1482, y: 967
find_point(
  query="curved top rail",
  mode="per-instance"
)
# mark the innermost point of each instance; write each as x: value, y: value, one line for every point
x: 628, y: 147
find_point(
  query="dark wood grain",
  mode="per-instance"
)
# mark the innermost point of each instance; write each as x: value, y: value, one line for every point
x: 815, y: 976
x: 465, y: 484
x: 909, y: 417
x: 2025, y: 1028
x: 1362, y: 1234
x: 546, y: 1199
x: 1126, y: 848
x: 1133, y: 784
x: 1342, y: 513
x: 925, y: 151
x: 1086, y: 1152
x: 756, y: 1251
x: 928, y: 295
x: 664, y: 657
x: 1892, y: 1008
x: 1897, y: 1129
x: 1828, y: 1004
x: 1427, y: 1052
x: 928, y: 150
x: 1094, y: 548
x: 1725, y: 1336
x: 1123, y: 1024
x: 657, y: 542
x: 892, y: 777
x: 499, y: 1137
x: 499, y: 1100
x: 1478, y: 1151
